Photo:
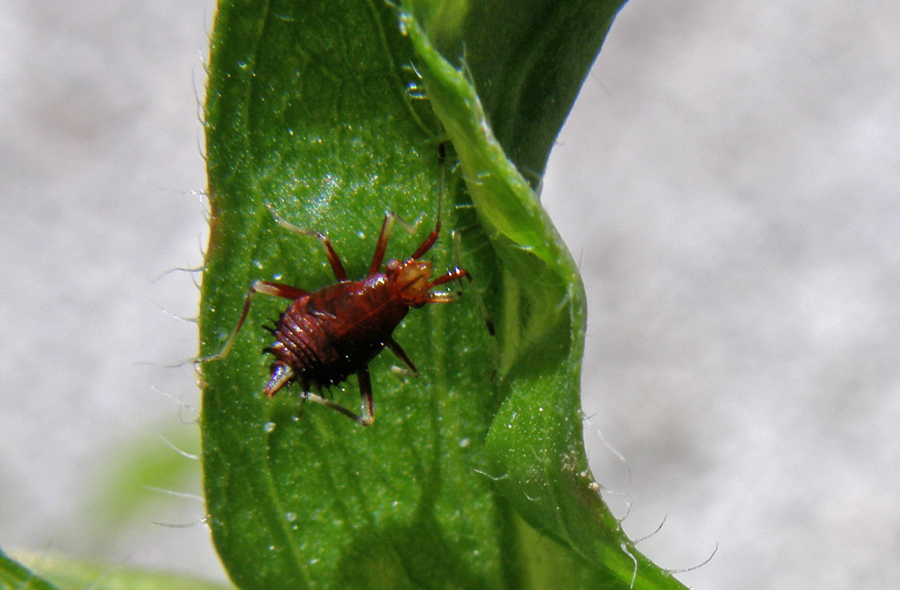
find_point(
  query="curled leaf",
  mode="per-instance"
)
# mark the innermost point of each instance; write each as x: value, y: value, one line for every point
x: 316, y: 112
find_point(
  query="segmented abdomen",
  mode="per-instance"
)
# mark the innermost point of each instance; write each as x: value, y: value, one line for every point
x: 328, y: 335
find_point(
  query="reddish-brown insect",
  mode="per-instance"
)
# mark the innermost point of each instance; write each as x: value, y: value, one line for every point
x: 326, y: 335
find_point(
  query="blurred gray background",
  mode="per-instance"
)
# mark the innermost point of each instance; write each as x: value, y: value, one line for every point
x: 729, y: 181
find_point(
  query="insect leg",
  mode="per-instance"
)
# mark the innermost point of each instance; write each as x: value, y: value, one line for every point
x: 266, y: 288
x: 381, y: 246
x: 428, y: 243
x: 365, y: 389
x: 401, y: 354
x: 335, y: 406
x: 448, y: 297
x: 365, y: 394
x: 386, y: 228
x: 389, y: 220
x: 336, y: 265
x: 453, y: 274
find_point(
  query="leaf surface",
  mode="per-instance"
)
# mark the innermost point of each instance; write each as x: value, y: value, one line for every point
x: 49, y: 572
x: 314, y: 110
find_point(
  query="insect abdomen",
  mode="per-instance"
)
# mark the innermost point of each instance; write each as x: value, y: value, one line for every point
x: 327, y: 335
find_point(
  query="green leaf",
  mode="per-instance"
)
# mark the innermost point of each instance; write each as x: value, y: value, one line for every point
x: 313, y: 110
x: 535, y: 440
x: 14, y: 575
x: 71, y: 574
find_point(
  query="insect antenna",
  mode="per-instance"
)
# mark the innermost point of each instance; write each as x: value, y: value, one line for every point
x: 457, y: 247
x: 442, y: 188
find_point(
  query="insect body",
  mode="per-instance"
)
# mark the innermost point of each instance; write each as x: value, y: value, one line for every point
x: 326, y: 335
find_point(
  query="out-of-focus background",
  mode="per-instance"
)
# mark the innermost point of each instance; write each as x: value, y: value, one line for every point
x: 729, y: 181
